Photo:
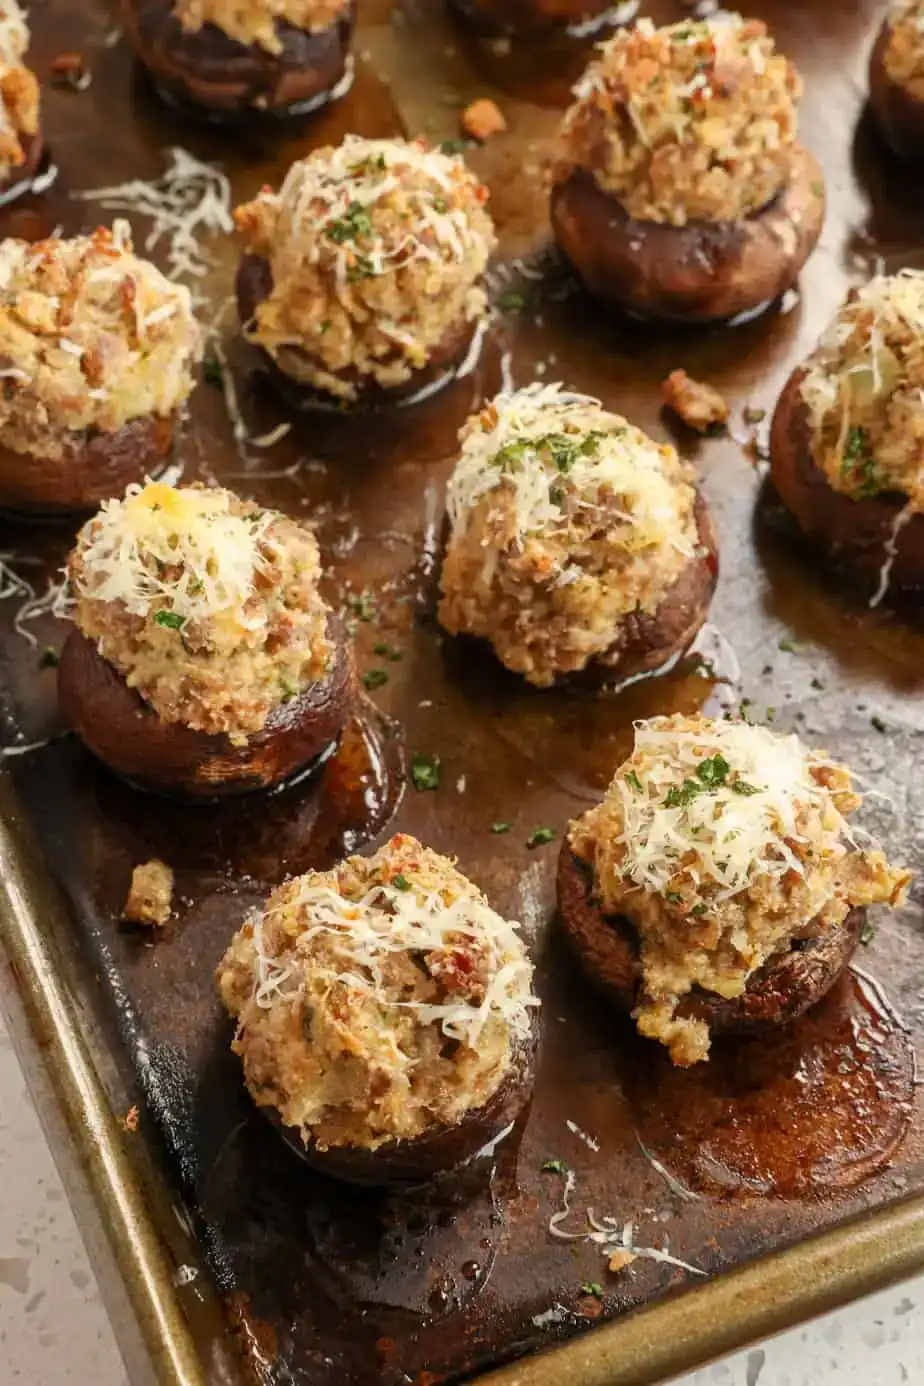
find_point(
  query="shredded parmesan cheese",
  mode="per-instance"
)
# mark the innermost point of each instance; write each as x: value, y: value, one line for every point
x: 610, y: 1234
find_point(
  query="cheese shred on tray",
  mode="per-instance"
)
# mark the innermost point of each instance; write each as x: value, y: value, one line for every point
x: 694, y: 121
x: 376, y: 249
x: 207, y: 604
x: 722, y: 843
x: 377, y: 1000
x: 91, y: 337
x: 565, y: 520
x: 864, y: 391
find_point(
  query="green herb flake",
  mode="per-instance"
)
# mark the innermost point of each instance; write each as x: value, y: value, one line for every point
x: 633, y: 779
x: 673, y: 897
x: 859, y: 465
x: 771, y: 714
x: 713, y: 771
x: 539, y: 836
x: 381, y: 647
x: 867, y: 933
x: 400, y: 882
x: 440, y: 206
x: 362, y: 605
x: 374, y: 678
x: 49, y: 658
x: 211, y: 370
x: 511, y: 301
x: 788, y: 647
x: 425, y: 770
x: 554, y: 1167
x: 171, y: 619
x: 742, y: 787
x: 592, y: 1287
x: 354, y: 222
x: 498, y: 828
x: 818, y: 189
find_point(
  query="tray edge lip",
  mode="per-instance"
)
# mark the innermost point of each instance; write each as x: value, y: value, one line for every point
x: 657, y: 1341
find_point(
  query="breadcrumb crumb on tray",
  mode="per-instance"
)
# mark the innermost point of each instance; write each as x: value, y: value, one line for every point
x: 698, y: 404
x: 150, y: 896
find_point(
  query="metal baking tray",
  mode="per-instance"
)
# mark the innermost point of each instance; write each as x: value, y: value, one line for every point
x: 802, y: 1153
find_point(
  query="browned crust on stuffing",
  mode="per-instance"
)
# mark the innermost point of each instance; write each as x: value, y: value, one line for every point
x: 213, y: 72
x: 899, y: 113
x: 447, y: 1147
x: 852, y: 533
x: 125, y: 733
x: 93, y: 467
x: 778, y: 993
x: 254, y: 283
x: 701, y: 272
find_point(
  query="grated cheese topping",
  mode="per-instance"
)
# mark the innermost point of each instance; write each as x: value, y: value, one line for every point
x: 695, y: 120
x: 864, y: 391
x: 556, y: 450
x: 181, y: 550
x: 189, y: 200
x: 378, y: 999
x: 904, y: 52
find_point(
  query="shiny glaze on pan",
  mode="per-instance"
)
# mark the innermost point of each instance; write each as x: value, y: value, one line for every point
x: 331, y: 1286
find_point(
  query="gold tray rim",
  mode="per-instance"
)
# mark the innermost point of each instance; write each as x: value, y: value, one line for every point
x: 647, y: 1345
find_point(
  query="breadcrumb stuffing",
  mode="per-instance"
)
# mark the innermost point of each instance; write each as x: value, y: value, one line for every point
x: 377, y: 1000
x: 482, y: 119
x: 694, y: 121
x: 150, y: 896
x: 864, y: 390
x: 903, y: 57
x: 698, y: 404
x: 258, y: 21
x: 377, y: 249
x: 19, y: 90
x: 701, y: 787
x: 218, y: 644
x: 91, y: 336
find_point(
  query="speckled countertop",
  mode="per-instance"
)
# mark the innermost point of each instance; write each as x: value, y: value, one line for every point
x: 55, y: 1330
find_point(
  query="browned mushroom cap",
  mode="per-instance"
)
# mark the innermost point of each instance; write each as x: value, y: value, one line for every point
x: 444, y: 1148
x: 851, y: 532
x: 779, y: 992
x: 530, y: 17
x: 702, y: 272
x: 93, y: 467
x: 127, y: 735
x: 255, y: 282
x: 216, y: 75
x: 899, y: 112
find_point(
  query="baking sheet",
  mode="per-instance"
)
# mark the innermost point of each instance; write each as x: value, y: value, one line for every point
x: 774, y: 1141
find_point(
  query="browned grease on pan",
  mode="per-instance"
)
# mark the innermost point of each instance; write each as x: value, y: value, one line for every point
x: 329, y: 1286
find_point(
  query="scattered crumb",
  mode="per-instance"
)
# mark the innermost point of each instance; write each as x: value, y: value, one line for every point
x: 482, y: 119
x: 620, y: 1259
x: 150, y: 895
x: 699, y: 405
x: 70, y: 70
x: 130, y: 1120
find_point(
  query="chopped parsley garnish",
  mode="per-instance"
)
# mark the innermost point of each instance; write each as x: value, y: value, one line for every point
x: 440, y: 205
x: 425, y: 770
x: 361, y: 268
x: 400, y: 882
x: 49, y: 658
x: 699, y: 908
x: 511, y: 301
x: 867, y: 932
x: 859, y: 465
x: 539, y: 836
x: 742, y: 787
x: 211, y: 370
x: 554, y: 1167
x: 818, y: 189
x: 592, y: 1287
x: 633, y: 779
x: 387, y: 651
x: 374, y: 678
x: 673, y: 897
x: 354, y: 222
x: 711, y: 773
x: 289, y: 690
x: 563, y: 449
x: 788, y: 647
x: 499, y: 828
x: 171, y: 619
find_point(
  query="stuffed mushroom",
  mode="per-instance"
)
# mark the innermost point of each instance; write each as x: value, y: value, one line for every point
x: 21, y: 143
x: 577, y: 545
x: 847, y: 437
x: 203, y: 659
x: 233, y: 59
x: 96, y: 355
x: 681, y: 192
x: 718, y: 887
x: 383, y: 1015
x: 361, y: 280
x: 896, y: 79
